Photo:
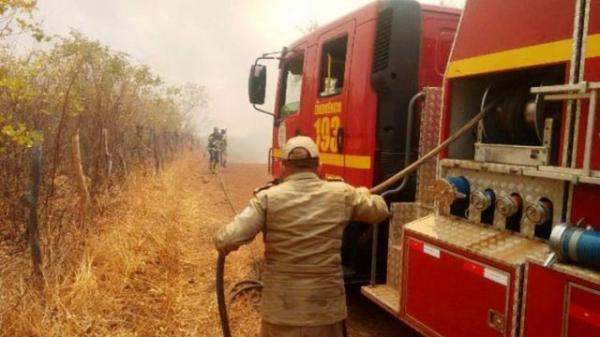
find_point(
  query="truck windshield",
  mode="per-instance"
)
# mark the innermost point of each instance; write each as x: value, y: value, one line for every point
x: 292, y: 86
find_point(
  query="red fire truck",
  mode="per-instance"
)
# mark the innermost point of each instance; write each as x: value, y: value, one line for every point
x: 349, y: 84
x: 503, y: 238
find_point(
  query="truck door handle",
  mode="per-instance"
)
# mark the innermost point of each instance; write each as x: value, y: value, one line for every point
x: 270, y: 161
x: 496, y: 320
x: 340, y: 139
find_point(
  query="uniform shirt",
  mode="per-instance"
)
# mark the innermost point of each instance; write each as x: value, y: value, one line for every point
x: 223, y: 143
x: 214, y: 142
x: 303, y: 220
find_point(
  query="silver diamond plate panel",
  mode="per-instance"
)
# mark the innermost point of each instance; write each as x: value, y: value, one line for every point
x: 402, y: 213
x: 394, y: 268
x: 531, y: 190
x: 500, y: 246
x: 581, y: 272
x: 429, y: 138
x: 384, y: 296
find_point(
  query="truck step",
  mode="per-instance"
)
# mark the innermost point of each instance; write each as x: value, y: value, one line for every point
x: 384, y: 296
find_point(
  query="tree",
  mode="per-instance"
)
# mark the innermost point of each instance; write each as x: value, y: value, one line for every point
x: 16, y: 16
x: 121, y: 109
x: 308, y: 27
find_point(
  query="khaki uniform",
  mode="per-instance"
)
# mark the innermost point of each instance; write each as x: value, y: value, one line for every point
x: 330, y: 330
x: 303, y: 220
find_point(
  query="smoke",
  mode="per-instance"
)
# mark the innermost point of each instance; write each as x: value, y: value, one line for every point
x: 208, y: 42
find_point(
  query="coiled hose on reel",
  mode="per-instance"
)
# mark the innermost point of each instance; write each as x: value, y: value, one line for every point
x: 382, y: 187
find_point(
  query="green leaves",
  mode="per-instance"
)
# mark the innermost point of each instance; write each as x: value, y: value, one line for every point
x: 16, y: 16
x: 20, y: 135
x: 76, y: 82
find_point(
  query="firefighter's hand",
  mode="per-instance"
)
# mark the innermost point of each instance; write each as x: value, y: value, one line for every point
x: 221, y: 247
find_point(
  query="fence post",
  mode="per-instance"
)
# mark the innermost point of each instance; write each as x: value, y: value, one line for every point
x: 84, y: 194
x: 33, y: 226
x: 107, y: 155
x: 158, y: 165
x: 123, y: 164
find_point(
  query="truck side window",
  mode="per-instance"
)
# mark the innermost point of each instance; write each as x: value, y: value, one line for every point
x: 292, y: 86
x: 333, y: 66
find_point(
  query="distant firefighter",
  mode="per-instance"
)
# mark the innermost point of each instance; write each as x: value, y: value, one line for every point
x: 214, y: 149
x: 223, y: 148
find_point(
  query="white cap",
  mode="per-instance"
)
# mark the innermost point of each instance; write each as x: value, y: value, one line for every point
x: 300, y: 142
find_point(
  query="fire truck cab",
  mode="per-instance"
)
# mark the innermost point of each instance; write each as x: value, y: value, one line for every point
x: 348, y: 85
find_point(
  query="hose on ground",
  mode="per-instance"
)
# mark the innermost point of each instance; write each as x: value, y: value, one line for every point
x: 244, y: 286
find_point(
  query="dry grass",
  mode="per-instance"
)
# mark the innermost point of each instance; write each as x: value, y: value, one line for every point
x: 146, y: 270
x: 147, y: 267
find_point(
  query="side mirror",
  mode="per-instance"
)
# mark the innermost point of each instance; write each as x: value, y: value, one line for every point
x: 257, y: 84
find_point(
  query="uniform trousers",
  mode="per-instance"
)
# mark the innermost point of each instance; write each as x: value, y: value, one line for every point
x: 274, y: 330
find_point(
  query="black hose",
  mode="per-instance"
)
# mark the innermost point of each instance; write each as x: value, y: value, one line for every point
x: 221, y: 296
x: 247, y: 286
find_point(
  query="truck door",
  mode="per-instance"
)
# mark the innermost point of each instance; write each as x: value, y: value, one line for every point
x: 330, y: 96
x: 290, y: 109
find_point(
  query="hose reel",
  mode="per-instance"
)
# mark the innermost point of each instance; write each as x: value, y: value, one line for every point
x: 519, y: 118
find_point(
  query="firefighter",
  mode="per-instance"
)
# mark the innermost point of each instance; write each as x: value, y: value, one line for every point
x: 302, y: 220
x: 214, y: 149
x: 223, y: 148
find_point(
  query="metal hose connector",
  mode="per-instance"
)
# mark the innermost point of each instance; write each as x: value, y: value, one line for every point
x: 574, y: 244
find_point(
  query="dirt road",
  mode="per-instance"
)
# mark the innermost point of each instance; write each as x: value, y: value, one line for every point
x: 149, y: 268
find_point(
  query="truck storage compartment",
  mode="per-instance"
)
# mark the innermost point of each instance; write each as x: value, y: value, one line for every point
x: 562, y: 300
x: 459, y: 278
x: 453, y: 295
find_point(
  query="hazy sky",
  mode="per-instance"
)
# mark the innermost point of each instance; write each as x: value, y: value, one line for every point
x: 205, y: 41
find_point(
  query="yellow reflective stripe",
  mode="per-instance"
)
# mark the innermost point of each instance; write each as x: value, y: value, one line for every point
x: 593, y: 46
x: 339, y: 160
x: 546, y: 53
x: 358, y: 162
x: 331, y: 159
